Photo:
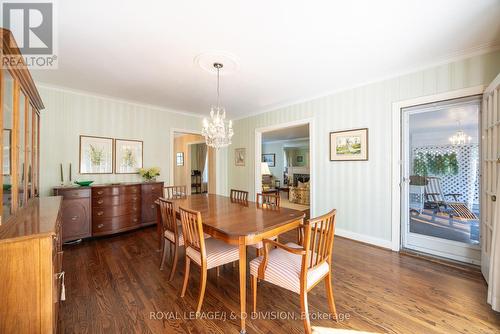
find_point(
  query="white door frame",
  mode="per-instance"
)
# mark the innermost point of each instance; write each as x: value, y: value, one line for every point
x: 397, y: 137
x: 312, y: 155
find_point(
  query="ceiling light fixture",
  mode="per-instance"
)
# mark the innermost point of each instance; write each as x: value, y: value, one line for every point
x: 216, y: 132
x: 460, y: 137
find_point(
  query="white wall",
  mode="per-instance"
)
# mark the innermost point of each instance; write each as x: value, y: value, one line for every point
x: 360, y: 191
x: 69, y: 114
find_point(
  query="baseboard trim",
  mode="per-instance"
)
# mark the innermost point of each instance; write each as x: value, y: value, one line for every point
x: 363, y: 238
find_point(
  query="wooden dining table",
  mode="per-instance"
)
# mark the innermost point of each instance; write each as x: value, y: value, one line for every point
x: 241, y: 225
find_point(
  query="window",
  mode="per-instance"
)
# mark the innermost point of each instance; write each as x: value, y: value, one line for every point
x: 180, y: 159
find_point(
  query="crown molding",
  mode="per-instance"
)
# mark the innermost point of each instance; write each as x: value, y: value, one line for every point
x: 454, y: 57
x: 284, y: 140
x: 115, y: 99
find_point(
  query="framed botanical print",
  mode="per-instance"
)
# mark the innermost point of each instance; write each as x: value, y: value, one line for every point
x: 179, y: 159
x: 96, y: 155
x: 240, y: 156
x: 128, y: 156
x: 270, y: 159
x: 349, y: 145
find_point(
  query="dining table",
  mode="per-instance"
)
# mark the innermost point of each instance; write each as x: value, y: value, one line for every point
x: 240, y: 224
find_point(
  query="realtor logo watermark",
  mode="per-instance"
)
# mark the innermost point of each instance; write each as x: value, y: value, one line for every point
x: 32, y: 24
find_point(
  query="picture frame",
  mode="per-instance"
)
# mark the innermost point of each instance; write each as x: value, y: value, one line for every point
x: 129, y: 156
x: 179, y: 159
x: 349, y: 145
x: 270, y: 158
x: 7, y: 152
x: 240, y: 155
x: 96, y: 155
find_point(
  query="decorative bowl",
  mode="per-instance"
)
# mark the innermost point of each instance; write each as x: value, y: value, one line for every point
x: 84, y: 183
x: 7, y: 186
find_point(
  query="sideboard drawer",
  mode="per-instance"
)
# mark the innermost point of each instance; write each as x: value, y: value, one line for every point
x: 116, y: 210
x: 115, y: 224
x: 102, y: 201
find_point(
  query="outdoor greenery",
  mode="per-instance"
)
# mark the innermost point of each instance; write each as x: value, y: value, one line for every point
x: 435, y: 164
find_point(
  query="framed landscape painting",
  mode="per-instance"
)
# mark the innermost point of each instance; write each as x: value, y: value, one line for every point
x: 96, y: 155
x: 349, y: 145
x: 128, y: 156
x: 270, y: 158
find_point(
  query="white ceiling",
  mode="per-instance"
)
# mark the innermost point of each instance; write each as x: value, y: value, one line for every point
x: 290, y: 133
x: 287, y: 51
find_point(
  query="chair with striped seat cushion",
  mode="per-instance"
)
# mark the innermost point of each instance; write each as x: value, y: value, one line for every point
x: 299, y: 268
x: 171, y: 233
x: 207, y: 253
x: 284, y: 269
x: 266, y: 202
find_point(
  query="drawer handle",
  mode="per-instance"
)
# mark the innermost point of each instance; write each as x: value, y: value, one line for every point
x: 152, y: 206
x: 74, y: 218
x: 100, y: 213
x: 100, y: 226
x: 135, y: 220
x: 153, y: 188
x: 134, y: 198
x: 134, y: 208
x: 100, y: 201
x: 100, y: 192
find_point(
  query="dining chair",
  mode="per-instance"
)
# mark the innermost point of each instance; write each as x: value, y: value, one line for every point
x: 239, y: 196
x: 299, y: 268
x: 173, y: 192
x: 266, y: 202
x: 207, y: 253
x: 172, y: 234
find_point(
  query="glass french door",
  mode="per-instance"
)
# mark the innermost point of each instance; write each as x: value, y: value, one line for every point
x: 491, y: 170
x: 441, y: 179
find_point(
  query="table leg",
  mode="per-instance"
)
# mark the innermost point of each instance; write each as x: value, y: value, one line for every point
x: 243, y: 284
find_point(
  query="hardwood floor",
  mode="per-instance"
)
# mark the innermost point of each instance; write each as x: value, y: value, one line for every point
x: 113, y: 285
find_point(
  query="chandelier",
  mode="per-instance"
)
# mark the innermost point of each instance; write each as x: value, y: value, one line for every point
x: 460, y: 137
x: 217, y: 132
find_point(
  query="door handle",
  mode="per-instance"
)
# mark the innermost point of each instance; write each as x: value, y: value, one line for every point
x: 494, y: 198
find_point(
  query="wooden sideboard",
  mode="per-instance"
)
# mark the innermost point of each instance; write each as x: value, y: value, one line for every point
x: 107, y: 209
x: 31, y: 268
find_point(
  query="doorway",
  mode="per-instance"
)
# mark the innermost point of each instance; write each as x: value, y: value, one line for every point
x: 440, y: 192
x: 193, y: 163
x: 284, y: 163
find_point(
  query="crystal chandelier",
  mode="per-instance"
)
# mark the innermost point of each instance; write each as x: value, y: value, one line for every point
x: 216, y: 132
x: 460, y: 138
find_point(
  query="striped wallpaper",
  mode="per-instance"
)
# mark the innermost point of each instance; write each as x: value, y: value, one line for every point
x: 360, y: 191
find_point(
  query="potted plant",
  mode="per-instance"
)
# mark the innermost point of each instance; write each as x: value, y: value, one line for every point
x: 149, y: 174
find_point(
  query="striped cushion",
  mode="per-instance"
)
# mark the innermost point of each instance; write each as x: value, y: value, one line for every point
x: 283, y: 269
x: 170, y: 236
x: 218, y: 253
x: 260, y: 244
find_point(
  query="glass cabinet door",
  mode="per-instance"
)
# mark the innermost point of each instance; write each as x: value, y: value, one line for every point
x: 36, y: 158
x: 29, y: 145
x: 21, y: 150
x: 8, y: 121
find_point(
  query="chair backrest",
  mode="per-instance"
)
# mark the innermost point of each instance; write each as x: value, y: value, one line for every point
x: 173, y: 192
x: 192, y: 229
x: 433, y: 188
x: 168, y: 218
x: 268, y: 201
x: 239, y: 196
x: 318, y: 240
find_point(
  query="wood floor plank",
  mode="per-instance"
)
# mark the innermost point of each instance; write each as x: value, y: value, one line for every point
x: 113, y: 285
